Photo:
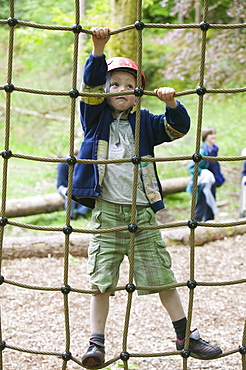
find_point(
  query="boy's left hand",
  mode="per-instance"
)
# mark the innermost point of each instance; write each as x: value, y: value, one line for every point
x: 100, y: 37
x: 166, y: 94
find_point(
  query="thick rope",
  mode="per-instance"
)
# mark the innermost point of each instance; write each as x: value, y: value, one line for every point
x: 74, y: 94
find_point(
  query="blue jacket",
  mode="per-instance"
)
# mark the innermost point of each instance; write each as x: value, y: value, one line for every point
x: 213, y: 166
x: 62, y: 175
x: 244, y: 169
x: 96, y: 118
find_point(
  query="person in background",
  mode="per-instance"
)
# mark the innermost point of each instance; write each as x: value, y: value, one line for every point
x: 109, y: 128
x: 209, y: 178
x: 244, y: 165
x: 77, y: 210
x: 242, y: 205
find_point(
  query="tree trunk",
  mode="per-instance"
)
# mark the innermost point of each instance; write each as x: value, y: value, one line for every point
x: 197, y: 11
x: 34, y: 205
x: 175, y: 185
x: 82, y: 42
x: 124, y: 13
x: 43, y: 245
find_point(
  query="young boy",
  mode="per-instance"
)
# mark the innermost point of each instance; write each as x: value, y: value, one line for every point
x: 109, y: 127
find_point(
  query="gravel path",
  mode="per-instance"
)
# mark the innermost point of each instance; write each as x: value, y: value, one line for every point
x: 33, y: 319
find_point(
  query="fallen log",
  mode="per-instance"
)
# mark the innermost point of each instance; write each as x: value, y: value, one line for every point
x: 174, y: 185
x: 54, y: 202
x: 203, y: 235
x: 43, y: 245
x: 34, y: 205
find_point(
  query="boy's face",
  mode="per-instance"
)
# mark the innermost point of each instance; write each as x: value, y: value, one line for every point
x: 122, y: 81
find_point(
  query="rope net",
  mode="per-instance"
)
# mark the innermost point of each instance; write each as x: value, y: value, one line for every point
x: 66, y: 356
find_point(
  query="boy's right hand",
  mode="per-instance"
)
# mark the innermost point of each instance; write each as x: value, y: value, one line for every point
x: 100, y: 37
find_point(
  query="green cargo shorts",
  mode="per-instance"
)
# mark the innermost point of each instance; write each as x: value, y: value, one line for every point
x: 152, y: 262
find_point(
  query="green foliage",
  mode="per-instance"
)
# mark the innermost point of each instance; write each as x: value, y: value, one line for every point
x: 46, y: 51
x: 224, y: 63
x: 42, y: 12
x: 169, y: 57
x: 154, y: 12
x: 178, y: 51
x: 98, y: 13
x: 41, y: 51
x: 4, y: 9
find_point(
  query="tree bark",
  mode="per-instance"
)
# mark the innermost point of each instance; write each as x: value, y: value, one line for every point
x: 175, y: 185
x: 82, y: 42
x: 124, y: 43
x: 34, y: 205
x: 197, y: 11
x: 43, y: 245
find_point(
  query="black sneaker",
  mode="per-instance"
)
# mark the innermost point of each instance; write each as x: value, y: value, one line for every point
x: 95, y: 355
x: 198, y: 347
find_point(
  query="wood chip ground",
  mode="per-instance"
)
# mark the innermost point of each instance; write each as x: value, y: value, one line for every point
x: 34, y: 319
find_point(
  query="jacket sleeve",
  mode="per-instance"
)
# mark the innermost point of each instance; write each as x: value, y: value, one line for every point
x: 95, y: 70
x: 93, y: 82
x: 172, y: 125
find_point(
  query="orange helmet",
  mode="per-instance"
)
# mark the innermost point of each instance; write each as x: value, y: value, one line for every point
x: 124, y: 63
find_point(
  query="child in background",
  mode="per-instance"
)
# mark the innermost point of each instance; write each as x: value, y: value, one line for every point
x: 109, y: 129
x: 77, y: 210
x: 210, y: 177
x: 242, y: 204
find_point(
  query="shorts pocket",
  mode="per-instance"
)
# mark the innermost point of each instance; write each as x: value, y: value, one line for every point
x: 163, y: 253
x: 150, y: 216
x: 93, y: 251
x: 95, y: 220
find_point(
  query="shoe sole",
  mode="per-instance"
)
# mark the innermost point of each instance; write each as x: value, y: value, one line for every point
x: 194, y: 355
x: 91, y: 362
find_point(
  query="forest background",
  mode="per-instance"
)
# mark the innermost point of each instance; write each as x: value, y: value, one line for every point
x: 43, y: 60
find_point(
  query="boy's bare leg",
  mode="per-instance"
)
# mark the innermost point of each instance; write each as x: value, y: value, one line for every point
x: 99, y: 312
x: 95, y: 355
x: 197, y: 346
x: 171, y: 301
x: 100, y: 307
